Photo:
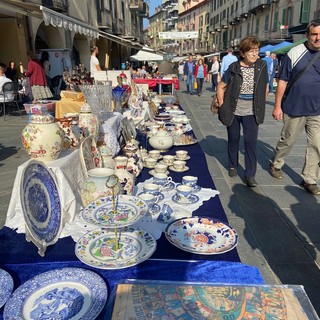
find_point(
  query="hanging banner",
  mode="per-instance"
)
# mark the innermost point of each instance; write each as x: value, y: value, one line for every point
x: 179, y: 35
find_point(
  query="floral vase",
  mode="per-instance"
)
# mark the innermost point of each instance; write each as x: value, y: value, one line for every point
x: 94, y: 187
x: 126, y: 179
x: 88, y: 122
x: 42, y: 138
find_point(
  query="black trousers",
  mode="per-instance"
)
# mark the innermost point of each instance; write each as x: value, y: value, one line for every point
x: 250, y: 137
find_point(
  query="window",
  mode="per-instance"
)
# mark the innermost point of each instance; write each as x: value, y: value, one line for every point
x: 305, y: 11
x: 275, y: 21
x: 266, y: 23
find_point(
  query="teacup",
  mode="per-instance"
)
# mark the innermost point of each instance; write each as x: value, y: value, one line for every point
x: 179, y: 165
x: 151, y: 188
x: 190, y: 181
x: 160, y: 168
x: 149, y: 199
x: 161, y: 179
x: 182, y: 154
x: 155, y: 154
x: 165, y: 213
x: 150, y: 162
x: 168, y: 159
x: 184, y: 191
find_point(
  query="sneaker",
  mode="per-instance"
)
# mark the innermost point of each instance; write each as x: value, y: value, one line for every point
x: 276, y: 173
x: 232, y: 172
x: 311, y: 188
x: 251, y: 182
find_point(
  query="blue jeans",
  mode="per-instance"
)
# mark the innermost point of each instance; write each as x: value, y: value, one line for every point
x: 190, y: 82
x: 250, y: 137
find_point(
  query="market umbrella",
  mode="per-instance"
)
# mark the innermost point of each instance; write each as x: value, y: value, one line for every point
x: 285, y: 49
x: 146, y: 56
x: 165, y: 67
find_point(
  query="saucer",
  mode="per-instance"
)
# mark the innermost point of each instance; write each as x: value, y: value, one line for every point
x: 152, y: 172
x: 155, y: 209
x: 160, y: 195
x: 186, y: 158
x: 192, y: 199
x: 175, y: 170
x: 195, y: 188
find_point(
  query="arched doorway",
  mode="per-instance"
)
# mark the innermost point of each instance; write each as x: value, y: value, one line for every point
x: 49, y: 37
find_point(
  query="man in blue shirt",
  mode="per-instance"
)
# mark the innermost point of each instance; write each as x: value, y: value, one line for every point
x: 227, y: 60
x: 188, y: 71
x: 299, y: 108
x: 269, y: 62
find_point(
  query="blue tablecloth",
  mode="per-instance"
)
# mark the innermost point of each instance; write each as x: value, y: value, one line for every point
x: 22, y: 261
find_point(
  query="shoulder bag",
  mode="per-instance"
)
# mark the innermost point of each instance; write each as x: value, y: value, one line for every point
x: 214, y: 108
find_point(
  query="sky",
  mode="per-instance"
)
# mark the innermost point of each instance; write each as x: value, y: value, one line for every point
x: 152, y: 5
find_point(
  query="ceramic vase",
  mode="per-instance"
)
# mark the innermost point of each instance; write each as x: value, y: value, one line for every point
x: 88, y: 122
x: 94, y: 187
x: 42, y: 138
x: 126, y: 179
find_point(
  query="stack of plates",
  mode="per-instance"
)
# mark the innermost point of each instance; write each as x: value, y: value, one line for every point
x: 162, y: 117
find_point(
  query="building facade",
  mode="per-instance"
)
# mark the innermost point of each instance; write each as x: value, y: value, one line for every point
x: 223, y: 23
x: 115, y: 26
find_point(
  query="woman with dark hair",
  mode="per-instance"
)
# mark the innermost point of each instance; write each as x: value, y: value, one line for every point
x: 242, y: 99
x: 200, y: 74
x: 11, y: 71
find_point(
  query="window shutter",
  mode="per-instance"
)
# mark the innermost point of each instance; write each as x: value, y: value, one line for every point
x: 305, y: 11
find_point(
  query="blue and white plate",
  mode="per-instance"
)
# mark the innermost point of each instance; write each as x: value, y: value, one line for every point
x: 40, y: 202
x: 68, y: 293
x: 190, y: 200
x: 6, y: 286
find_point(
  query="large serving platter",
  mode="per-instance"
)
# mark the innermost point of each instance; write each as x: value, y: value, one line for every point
x: 6, y: 286
x: 68, y: 293
x: 98, y: 248
x: 41, y: 205
x: 129, y: 210
x: 202, y: 235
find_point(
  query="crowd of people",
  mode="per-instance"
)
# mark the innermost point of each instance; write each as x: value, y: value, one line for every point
x: 242, y: 84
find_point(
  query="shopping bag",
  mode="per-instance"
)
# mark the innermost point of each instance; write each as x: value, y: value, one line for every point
x: 214, y: 105
x: 195, y: 85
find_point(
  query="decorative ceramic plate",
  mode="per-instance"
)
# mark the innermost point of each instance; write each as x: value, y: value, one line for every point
x: 98, y: 248
x: 6, y: 286
x: 129, y: 210
x: 172, y: 168
x: 185, y: 144
x: 40, y: 203
x: 68, y: 293
x: 190, y: 200
x: 202, y: 235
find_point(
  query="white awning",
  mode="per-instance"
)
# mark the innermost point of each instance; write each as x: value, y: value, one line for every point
x: 120, y: 40
x: 177, y: 59
x: 60, y: 20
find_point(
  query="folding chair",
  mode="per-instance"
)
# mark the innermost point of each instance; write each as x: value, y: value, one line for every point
x: 10, y: 95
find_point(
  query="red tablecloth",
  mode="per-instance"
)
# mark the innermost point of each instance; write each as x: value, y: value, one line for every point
x: 153, y: 82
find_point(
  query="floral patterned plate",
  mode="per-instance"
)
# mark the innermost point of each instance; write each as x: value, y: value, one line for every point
x: 41, y: 205
x: 6, y: 286
x: 129, y: 210
x: 68, y: 293
x: 202, y: 235
x: 97, y: 248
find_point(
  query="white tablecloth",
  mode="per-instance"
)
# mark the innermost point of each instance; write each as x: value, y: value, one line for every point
x: 68, y: 175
